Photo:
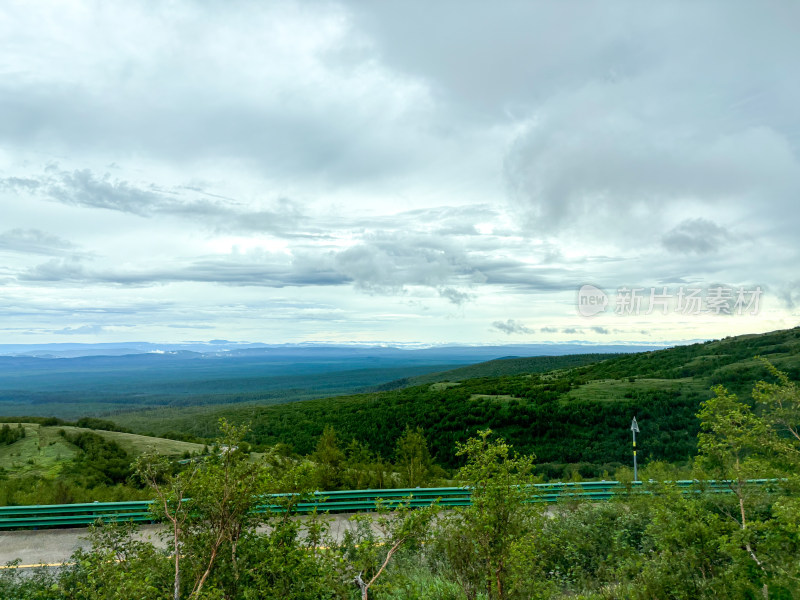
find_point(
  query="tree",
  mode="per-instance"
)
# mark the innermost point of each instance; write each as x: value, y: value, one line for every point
x: 781, y: 402
x: 357, y: 466
x: 479, y: 538
x: 223, y: 495
x: 171, y: 495
x: 209, y: 506
x: 413, y: 459
x: 369, y: 553
x: 329, y: 458
x: 736, y: 445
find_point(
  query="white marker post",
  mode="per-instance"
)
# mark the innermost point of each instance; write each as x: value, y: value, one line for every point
x: 634, y: 430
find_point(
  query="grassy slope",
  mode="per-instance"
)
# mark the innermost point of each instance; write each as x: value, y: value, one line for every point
x: 42, y: 451
x: 617, y: 389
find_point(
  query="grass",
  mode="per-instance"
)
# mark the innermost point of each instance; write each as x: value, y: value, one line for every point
x: 443, y: 385
x: 498, y: 397
x: 136, y: 444
x: 604, y: 390
x: 43, y: 450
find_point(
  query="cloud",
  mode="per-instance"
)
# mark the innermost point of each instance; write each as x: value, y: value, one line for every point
x: 260, y: 269
x: 34, y: 241
x: 511, y: 326
x: 85, y: 188
x: 455, y: 296
x: 389, y: 261
x: 274, y: 91
x: 311, y: 154
x: 81, y: 330
x: 677, y: 129
x: 695, y: 236
x: 600, y: 330
x: 384, y: 265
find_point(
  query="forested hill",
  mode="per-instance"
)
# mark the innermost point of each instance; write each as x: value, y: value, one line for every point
x: 512, y: 366
x: 502, y: 366
x: 578, y: 416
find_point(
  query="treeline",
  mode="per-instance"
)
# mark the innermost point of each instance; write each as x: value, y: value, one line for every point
x: 10, y: 435
x: 511, y: 366
x: 86, y: 422
x: 99, y: 462
x: 661, y: 544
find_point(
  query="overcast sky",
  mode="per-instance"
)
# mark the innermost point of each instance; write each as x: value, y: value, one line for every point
x: 427, y: 172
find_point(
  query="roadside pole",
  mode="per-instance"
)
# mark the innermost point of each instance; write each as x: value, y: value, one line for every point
x: 634, y: 430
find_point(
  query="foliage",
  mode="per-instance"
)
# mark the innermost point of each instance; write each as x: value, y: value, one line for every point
x: 284, y: 565
x: 329, y: 459
x: 413, y: 459
x: 369, y: 552
x: 479, y: 538
x: 8, y: 435
x: 736, y: 445
x: 100, y: 461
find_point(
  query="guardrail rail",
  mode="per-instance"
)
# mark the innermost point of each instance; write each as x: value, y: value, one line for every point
x: 76, y: 515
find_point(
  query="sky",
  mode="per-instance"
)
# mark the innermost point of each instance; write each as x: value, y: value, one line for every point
x: 398, y: 172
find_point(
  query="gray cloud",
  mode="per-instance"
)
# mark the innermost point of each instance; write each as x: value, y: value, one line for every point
x: 86, y: 189
x: 600, y: 330
x: 390, y: 261
x: 255, y: 269
x: 266, y: 93
x: 384, y: 264
x: 715, y: 134
x: 698, y: 236
x: 83, y: 188
x: 455, y: 296
x: 511, y: 326
x: 34, y: 241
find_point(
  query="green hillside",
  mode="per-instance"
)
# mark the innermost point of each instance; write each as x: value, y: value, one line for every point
x: 44, y: 450
x: 509, y: 366
x: 578, y: 416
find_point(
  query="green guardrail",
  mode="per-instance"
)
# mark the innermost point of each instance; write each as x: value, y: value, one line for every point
x: 58, y: 515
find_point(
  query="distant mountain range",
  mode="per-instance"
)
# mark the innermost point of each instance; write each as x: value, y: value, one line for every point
x: 229, y: 348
